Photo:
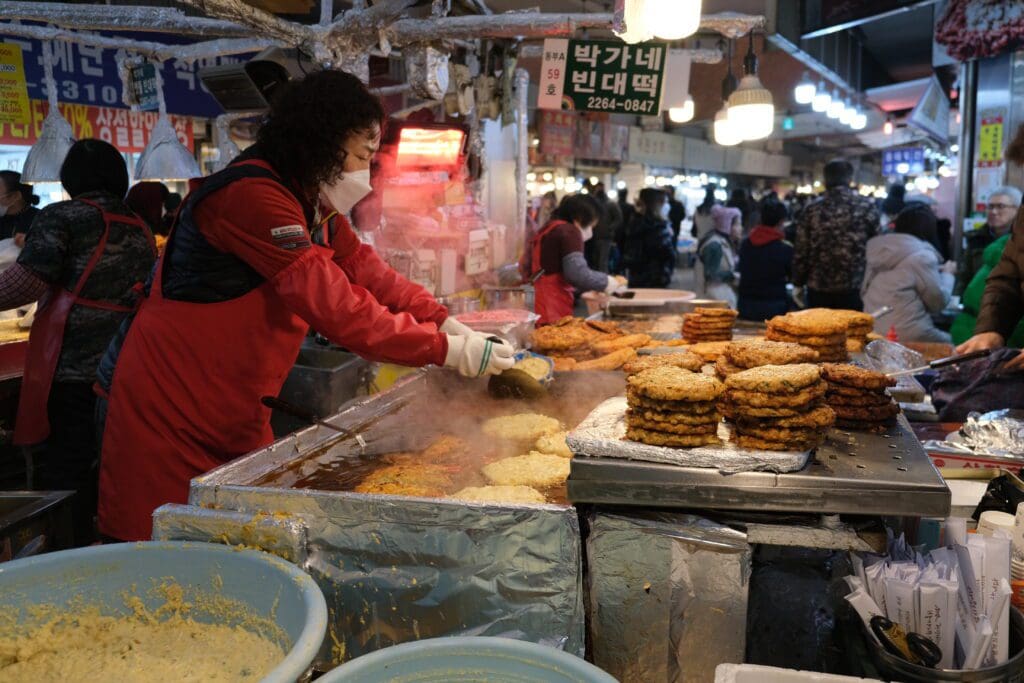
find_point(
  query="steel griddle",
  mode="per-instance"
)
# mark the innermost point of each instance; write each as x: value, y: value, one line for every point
x: 851, y: 473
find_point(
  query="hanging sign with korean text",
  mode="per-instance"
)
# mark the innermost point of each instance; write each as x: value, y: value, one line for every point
x: 990, y: 139
x: 604, y: 76
x: 13, y: 90
x: 903, y: 161
x: 143, y: 85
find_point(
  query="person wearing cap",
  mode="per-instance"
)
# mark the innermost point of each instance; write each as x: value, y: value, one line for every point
x: 236, y: 290
x: 17, y: 207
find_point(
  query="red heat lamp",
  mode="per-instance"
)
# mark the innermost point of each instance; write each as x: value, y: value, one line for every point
x: 422, y: 146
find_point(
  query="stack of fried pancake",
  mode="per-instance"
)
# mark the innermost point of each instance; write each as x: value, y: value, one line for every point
x: 858, y: 397
x: 817, y: 328
x: 708, y: 324
x: 778, y: 407
x: 671, y: 406
x: 680, y: 359
x: 751, y: 353
x: 858, y: 326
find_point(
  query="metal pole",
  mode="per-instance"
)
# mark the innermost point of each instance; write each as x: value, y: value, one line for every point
x: 965, y: 174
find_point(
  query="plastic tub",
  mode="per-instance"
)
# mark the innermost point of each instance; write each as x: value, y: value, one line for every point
x: 496, y: 660
x: 266, y: 585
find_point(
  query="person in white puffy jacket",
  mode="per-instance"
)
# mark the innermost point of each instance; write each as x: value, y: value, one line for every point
x: 905, y: 271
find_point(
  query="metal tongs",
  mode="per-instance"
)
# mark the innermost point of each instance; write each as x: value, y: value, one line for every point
x: 942, y: 362
x: 912, y: 647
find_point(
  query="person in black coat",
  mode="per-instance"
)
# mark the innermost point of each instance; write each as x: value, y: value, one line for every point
x: 766, y: 260
x: 649, y: 253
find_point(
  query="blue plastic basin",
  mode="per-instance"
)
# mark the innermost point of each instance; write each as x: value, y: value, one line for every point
x: 263, y: 584
x: 495, y: 660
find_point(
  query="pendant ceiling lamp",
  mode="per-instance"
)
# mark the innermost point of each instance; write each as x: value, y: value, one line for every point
x: 56, y: 137
x: 805, y: 90
x: 666, y: 19
x: 682, y: 114
x: 860, y: 121
x: 726, y: 133
x: 164, y: 157
x: 849, y: 112
x: 751, y: 109
x: 821, y: 101
x: 835, y: 107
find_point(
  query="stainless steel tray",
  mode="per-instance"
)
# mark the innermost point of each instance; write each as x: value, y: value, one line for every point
x: 852, y: 473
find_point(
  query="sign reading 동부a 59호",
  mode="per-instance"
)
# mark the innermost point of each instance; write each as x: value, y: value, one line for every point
x: 602, y: 76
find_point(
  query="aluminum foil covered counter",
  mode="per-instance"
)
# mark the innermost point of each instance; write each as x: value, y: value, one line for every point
x: 668, y: 596
x: 397, y: 569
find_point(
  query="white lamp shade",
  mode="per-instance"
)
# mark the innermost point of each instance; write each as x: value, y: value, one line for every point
x: 860, y: 121
x: 804, y: 91
x: 672, y: 19
x: 44, y: 160
x: 849, y: 113
x: 821, y: 101
x: 635, y: 19
x: 682, y: 114
x: 835, y: 107
x: 751, y: 110
x: 165, y: 158
x: 725, y: 133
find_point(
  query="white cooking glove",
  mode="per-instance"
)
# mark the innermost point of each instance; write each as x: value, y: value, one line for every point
x: 616, y: 283
x: 478, y: 356
x: 453, y: 326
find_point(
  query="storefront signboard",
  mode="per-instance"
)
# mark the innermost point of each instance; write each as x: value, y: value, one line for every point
x: 557, y: 132
x: 990, y: 140
x: 656, y: 149
x: 602, y: 76
x: 14, y: 106
x: 125, y: 129
x: 903, y: 161
x: 144, y: 86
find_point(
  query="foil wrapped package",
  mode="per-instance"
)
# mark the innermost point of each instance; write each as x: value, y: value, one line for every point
x: 1000, y: 432
x: 603, y: 434
x: 394, y: 569
x: 668, y: 596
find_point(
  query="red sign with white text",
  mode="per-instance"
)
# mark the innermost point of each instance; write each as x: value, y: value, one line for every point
x: 125, y: 129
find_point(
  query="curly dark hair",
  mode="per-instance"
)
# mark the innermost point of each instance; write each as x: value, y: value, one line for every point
x: 310, y: 119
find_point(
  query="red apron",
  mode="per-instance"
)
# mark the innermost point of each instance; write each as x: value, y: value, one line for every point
x: 553, y: 296
x: 207, y: 396
x: 47, y: 337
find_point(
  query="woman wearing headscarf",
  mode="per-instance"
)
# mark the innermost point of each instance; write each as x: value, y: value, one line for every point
x: 904, y: 270
x: 17, y: 207
x: 83, y: 260
x: 716, y: 253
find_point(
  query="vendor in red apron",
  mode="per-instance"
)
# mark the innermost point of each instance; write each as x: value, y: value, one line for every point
x: 84, y: 261
x: 557, y: 250
x: 237, y: 288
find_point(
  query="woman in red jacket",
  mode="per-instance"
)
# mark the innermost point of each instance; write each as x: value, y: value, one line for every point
x: 236, y: 290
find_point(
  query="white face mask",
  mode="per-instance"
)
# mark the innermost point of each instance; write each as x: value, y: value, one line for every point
x: 3, y: 210
x: 665, y: 208
x: 346, y: 191
x: 587, y: 232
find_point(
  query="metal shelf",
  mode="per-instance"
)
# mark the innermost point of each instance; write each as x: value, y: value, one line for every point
x: 851, y: 473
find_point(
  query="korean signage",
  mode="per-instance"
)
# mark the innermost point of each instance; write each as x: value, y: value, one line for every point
x: 602, y: 76
x: 601, y: 141
x: 143, y: 86
x: 557, y: 133
x: 13, y: 92
x: 990, y: 140
x: 656, y: 149
x: 88, y: 75
x: 125, y: 129
x: 903, y: 161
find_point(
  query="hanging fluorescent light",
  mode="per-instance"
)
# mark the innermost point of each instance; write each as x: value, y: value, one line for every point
x: 805, y: 90
x: 835, y: 107
x: 164, y: 157
x: 849, y: 113
x: 672, y: 19
x: 726, y: 134
x: 682, y: 114
x: 821, y: 101
x: 56, y: 137
x: 750, y: 106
